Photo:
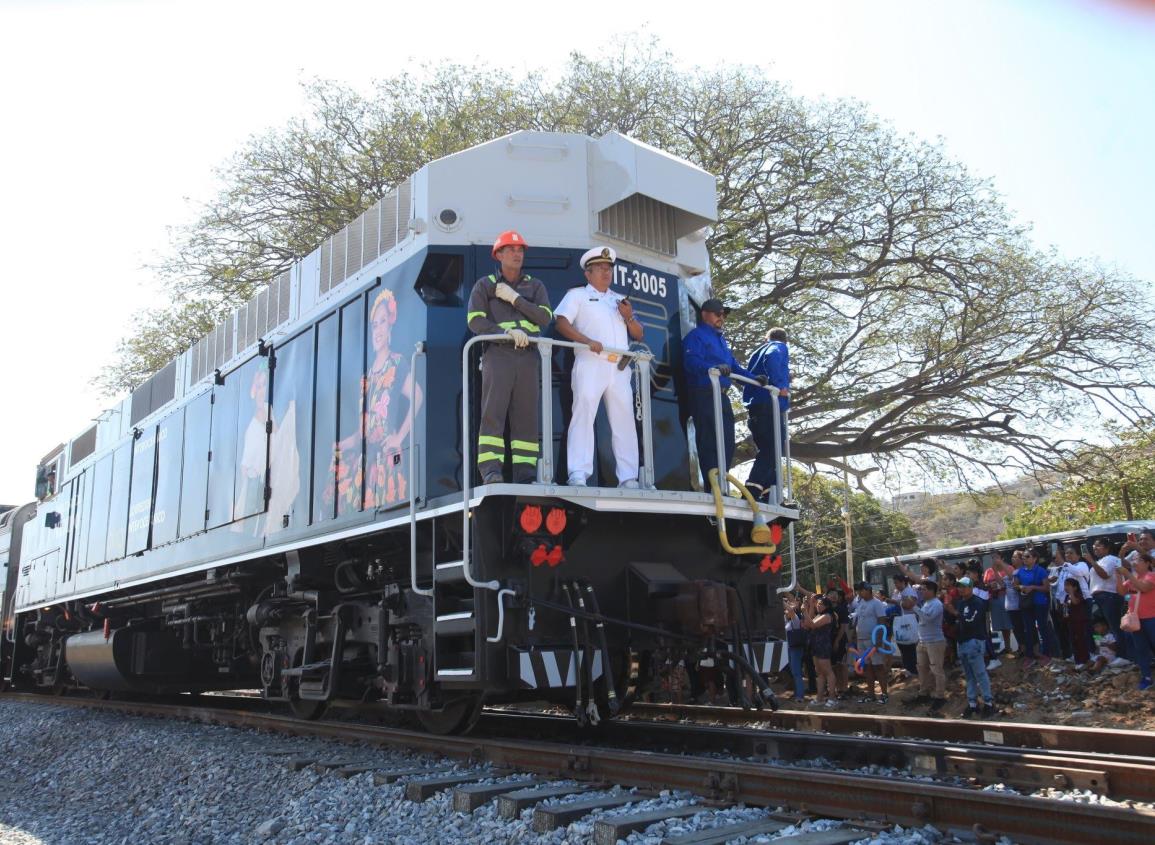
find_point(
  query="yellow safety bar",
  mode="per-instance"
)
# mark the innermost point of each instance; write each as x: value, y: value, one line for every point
x: 759, y: 533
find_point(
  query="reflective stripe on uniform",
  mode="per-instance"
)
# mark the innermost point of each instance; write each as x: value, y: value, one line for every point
x: 525, y: 445
x: 473, y: 314
x: 490, y: 440
x: 483, y: 457
x: 525, y: 459
x: 528, y: 326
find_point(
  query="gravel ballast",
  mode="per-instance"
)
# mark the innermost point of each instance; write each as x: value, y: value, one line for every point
x: 72, y: 776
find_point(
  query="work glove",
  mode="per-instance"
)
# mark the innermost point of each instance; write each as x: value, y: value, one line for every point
x: 520, y: 338
x: 506, y: 293
x: 723, y: 370
x: 762, y: 380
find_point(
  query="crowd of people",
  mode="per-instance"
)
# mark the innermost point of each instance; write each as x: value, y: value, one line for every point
x: 1088, y: 610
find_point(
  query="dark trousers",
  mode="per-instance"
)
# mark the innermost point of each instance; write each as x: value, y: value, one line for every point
x: 1080, y: 632
x: 1062, y: 631
x: 702, y: 410
x: 1018, y: 627
x: 1111, y: 606
x: 1036, y: 620
x: 909, y: 657
x: 510, y: 389
x: 764, y: 472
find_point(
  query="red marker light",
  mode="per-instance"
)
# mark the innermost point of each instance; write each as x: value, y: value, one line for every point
x: 775, y: 533
x: 530, y: 519
x: 538, y: 556
x: 555, y: 521
x: 556, y: 556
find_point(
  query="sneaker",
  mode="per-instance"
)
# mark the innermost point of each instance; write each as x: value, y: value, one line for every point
x: 832, y: 703
x: 989, y: 710
x: 937, y: 705
x: 971, y: 712
x: 1056, y: 668
x: 630, y: 484
x: 577, y: 480
x: 882, y: 699
x: 1119, y: 663
x: 994, y: 664
x: 1145, y: 683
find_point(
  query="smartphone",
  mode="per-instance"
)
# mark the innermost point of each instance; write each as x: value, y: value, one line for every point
x: 1083, y: 549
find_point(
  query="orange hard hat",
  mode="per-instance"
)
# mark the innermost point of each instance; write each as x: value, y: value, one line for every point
x: 510, y: 238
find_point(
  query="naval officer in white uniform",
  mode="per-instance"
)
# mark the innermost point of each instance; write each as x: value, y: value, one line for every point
x: 598, y: 317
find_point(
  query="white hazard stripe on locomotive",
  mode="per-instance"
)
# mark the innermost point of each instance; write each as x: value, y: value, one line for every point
x: 767, y: 657
x: 554, y: 668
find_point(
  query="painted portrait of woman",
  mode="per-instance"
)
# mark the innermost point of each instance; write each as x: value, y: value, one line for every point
x: 388, y: 392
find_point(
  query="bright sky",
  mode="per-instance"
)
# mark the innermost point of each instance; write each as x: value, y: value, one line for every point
x: 115, y: 112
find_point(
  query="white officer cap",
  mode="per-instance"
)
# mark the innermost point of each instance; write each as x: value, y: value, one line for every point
x: 598, y: 255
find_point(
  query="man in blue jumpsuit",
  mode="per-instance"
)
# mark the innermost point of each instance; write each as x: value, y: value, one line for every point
x: 772, y: 361
x: 703, y: 348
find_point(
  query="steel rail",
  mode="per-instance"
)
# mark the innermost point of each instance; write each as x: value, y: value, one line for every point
x: 1006, y: 734
x: 894, y: 801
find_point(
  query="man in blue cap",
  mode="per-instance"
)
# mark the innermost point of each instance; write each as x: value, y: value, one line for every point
x: 703, y: 348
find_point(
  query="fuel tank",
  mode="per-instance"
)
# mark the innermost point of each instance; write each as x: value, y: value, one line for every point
x: 129, y: 660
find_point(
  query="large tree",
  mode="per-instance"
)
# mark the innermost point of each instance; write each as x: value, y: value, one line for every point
x: 925, y: 325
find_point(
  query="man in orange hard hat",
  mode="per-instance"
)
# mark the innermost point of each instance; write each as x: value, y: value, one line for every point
x: 512, y: 303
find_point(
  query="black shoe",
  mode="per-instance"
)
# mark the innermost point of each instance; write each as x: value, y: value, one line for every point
x: 970, y: 713
x: 937, y: 705
x: 492, y: 478
x: 989, y: 711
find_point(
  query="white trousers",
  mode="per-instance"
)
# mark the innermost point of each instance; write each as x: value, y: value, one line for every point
x: 593, y: 379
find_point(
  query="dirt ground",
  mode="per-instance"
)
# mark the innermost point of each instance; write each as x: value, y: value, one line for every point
x: 1107, y: 699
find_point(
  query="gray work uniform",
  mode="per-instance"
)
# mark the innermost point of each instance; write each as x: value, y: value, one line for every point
x: 510, y: 378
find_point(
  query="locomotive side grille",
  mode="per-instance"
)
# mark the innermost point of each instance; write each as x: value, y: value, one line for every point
x: 377, y: 230
x: 353, y: 247
x: 282, y: 289
x: 643, y: 221
x: 370, y: 238
x: 326, y: 265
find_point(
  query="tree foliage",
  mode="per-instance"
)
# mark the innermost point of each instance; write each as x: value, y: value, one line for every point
x: 1108, y: 483
x: 924, y: 324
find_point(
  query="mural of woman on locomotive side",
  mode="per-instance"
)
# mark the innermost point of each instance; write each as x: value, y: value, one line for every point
x: 250, y: 489
x: 388, y: 389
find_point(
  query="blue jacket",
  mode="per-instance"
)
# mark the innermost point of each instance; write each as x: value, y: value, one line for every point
x: 771, y: 359
x: 706, y: 347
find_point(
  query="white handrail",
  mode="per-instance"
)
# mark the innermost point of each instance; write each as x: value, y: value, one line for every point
x: 545, y: 476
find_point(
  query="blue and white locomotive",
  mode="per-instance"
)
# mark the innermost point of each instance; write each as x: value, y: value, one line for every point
x: 292, y: 504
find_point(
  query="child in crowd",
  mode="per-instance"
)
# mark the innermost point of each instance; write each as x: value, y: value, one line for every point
x: 1105, y: 649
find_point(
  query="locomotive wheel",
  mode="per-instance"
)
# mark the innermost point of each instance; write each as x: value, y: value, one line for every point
x: 457, y: 717
x: 307, y: 709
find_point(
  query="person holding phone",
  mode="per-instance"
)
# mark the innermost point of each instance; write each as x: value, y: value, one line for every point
x: 1104, y: 563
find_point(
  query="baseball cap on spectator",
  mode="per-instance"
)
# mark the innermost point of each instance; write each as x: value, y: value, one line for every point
x: 964, y: 582
x: 715, y: 306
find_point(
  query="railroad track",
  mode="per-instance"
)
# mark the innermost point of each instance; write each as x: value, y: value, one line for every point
x: 865, y: 801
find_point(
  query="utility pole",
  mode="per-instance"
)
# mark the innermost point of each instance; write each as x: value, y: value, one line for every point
x: 846, y: 527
